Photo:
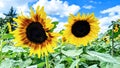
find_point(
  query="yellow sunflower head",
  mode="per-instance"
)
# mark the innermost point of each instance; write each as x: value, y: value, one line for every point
x: 81, y: 29
x: 9, y: 27
x: 116, y: 28
x: 106, y: 39
x: 34, y: 32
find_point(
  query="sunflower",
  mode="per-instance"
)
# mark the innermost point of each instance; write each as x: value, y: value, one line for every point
x: 106, y: 39
x: 34, y: 32
x: 81, y: 29
x: 116, y: 28
x: 9, y: 27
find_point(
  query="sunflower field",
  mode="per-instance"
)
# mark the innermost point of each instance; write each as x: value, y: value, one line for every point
x: 30, y: 41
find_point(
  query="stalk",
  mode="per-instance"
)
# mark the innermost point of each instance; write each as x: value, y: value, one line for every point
x: 47, y: 62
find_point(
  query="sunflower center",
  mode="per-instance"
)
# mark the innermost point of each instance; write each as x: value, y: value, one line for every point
x: 36, y: 33
x: 80, y: 28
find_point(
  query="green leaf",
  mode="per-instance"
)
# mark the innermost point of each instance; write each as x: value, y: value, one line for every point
x: 25, y: 63
x: 7, y: 63
x: 74, y: 63
x: 33, y: 66
x: 93, y: 66
x: 41, y: 65
x: 106, y: 65
x: 6, y: 36
x: 60, y: 66
x: 61, y: 32
x: 10, y: 63
x: 72, y: 53
x: 109, y: 65
x: 12, y: 48
x: 68, y: 59
x: 55, y: 25
x: 115, y: 33
x: 89, y: 57
x: 68, y: 47
x: 116, y: 65
x: 103, y: 57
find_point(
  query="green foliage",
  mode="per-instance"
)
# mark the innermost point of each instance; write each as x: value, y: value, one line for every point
x: 60, y: 66
x: 72, y: 53
x: 41, y: 65
x: 74, y: 63
x: 55, y: 25
x: 8, y: 18
x: 103, y: 57
x: 93, y: 66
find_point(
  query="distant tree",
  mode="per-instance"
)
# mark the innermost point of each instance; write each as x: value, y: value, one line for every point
x: 11, y: 13
x: 1, y: 22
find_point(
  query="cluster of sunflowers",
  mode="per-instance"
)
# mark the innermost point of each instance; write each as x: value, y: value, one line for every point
x: 34, y: 31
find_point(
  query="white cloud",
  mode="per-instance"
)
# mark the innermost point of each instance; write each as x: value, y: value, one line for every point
x: 57, y: 7
x: 1, y: 15
x: 112, y: 11
x: 60, y: 26
x: 113, y: 15
x: 23, y: 8
x: 88, y: 6
x: 52, y: 7
x: 1, y: 5
x: 53, y: 18
x: 19, y: 5
x: 95, y: 2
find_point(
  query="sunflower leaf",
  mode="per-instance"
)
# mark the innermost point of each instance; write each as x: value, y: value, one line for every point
x: 12, y: 48
x: 109, y: 65
x: 103, y: 57
x: 72, y: 53
x: 41, y: 65
x: 60, y: 66
x: 6, y: 36
x: 55, y: 25
x: 74, y: 63
x: 93, y: 66
x: 33, y: 66
x: 7, y: 63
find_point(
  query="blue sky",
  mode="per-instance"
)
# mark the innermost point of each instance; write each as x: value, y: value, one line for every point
x: 96, y: 5
x: 59, y: 10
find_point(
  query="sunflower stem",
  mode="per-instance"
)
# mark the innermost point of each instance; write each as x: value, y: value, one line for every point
x: 77, y: 66
x: 112, y: 46
x: 47, y: 63
x: 77, y: 58
x: 0, y: 51
x: 84, y: 50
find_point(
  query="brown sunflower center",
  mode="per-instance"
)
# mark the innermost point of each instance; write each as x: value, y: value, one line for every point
x: 80, y: 28
x: 36, y: 33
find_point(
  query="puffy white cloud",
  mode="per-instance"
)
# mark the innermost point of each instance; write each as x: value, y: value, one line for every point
x: 113, y: 15
x: 1, y: 5
x: 1, y: 15
x: 106, y: 21
x: 53, y: 18
x: 19, y: 5
x: 57, y: 7
x: 88, y: 6
x: 112, y: 11
x: 95, y: 2
x: 60, y: 26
